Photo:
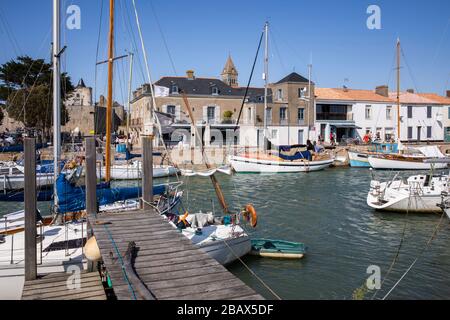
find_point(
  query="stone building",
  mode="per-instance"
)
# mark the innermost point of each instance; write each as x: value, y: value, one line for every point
x: 216, y: 104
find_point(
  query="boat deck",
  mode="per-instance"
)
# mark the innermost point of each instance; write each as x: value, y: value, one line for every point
x: 167, y: 263
x: 55, y: 286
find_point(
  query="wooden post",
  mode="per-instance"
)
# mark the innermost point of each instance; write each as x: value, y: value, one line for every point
x: 147, y: 172
x: 30, y: 209
x: 91, y: 177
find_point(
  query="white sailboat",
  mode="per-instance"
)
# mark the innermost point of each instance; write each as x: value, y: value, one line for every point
x: 267, y: 161
x: 418, y: 193
x: 133, y: 171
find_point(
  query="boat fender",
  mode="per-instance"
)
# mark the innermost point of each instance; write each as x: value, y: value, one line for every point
x: 91, y: 250
x: 250, y: 215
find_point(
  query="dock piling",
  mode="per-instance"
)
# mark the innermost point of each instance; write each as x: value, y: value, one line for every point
x: 91, y: 177
x: 30, y: 209
x: 147, y: 172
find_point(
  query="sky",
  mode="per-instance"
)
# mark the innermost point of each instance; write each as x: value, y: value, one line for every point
x: 200, y: 34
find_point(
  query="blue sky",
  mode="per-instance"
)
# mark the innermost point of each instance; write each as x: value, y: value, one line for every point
x: 200, y: 34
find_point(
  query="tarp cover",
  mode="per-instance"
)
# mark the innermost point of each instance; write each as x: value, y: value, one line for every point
x: 73, y: 199
x: 431, y: 152
x: 295, y: 152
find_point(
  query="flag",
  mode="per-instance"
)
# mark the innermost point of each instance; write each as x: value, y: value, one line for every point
x: 161, y: 91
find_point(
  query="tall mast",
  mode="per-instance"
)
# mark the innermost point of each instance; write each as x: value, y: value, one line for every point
x: 56, y: 94
x: 129, y: 97
x: 398, y: 90
x: 266, y: 76
x: 110, y: 90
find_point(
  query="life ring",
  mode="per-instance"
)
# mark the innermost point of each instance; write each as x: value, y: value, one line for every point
x: 251, y: 214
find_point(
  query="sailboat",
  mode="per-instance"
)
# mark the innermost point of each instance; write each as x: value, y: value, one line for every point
x: 402, y: 161
x: 284, y: 158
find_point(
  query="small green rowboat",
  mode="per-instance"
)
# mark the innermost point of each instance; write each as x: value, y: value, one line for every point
x: 277, y: 249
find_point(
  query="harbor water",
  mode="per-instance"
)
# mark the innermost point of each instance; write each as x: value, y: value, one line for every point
x: 327, y: 211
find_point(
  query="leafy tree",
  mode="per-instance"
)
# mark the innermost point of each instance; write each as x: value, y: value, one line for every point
x: 26, y: 88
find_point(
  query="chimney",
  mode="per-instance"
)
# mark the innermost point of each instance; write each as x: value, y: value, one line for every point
x: 382, y: 90
x: 410, y: 90
x: 102, y: 101
x: 190, y: 74
x: 448, y: 94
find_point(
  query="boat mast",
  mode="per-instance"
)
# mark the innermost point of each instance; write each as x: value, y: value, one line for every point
x: 131, y: 55
x: 398, y: 90
x: 56, y: 95
x: 266, y: 76
x: 110, y: 91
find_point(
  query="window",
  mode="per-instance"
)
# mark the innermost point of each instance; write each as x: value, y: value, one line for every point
x: 301, y: 92
x: 171, y: 110
x: 174, y: 89
x: 283, y: 112
x: 389, y: 113
x: 301, y: 114
x: 331, y: 112
x: 215, y: 91
x: 410, y: 130
x: 274, y: 134
x: 429, y: 131
x: 410, y: 112
x: 269, y: 115
x: 449, y: 112
x: 211, y: 114
x: 429, y: 112
x: 280, y: 94
x: 368, y: 112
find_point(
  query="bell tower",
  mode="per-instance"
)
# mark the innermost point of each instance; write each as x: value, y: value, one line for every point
x: 229, y: 73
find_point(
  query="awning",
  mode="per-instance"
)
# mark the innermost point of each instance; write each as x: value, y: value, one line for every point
x: 345, y: 125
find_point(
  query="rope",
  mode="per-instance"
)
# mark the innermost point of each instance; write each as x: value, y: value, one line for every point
x: 125, y: 277
x: 418, y: 257
x: 252, y: 272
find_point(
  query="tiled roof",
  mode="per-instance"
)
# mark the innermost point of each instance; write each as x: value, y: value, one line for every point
x: 413, y: 98
x: 293, y: 77
x: 349, y: 95
x: 435, y: 97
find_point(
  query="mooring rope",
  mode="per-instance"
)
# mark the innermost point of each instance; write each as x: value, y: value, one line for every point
x: 125, y: 277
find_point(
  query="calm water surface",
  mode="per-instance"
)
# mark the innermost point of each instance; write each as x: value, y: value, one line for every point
x: 327, y: 211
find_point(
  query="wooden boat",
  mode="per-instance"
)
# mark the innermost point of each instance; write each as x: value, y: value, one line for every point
x: 277, y: 249
x: 406, y: 162
x: 360, y: 159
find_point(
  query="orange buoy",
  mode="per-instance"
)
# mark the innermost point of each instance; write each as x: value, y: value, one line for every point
x: 253, y: 217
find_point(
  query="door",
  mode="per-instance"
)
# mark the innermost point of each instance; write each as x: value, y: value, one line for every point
x: 260, y: 138
x: 418, y: 133
x: 300, y: 136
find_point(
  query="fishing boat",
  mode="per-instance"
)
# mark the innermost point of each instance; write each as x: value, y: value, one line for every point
x: 360, y: 159
x: 418, y: 193
x: 277, y: 249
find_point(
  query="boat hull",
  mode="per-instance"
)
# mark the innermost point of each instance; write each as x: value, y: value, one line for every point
x: 386, y: 164
x: 252, y: 165
x: 221, y: 252
x: 17, y: 181
x: 358, y: 159
x: 135, y: 173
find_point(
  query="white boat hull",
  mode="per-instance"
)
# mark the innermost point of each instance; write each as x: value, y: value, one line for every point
x: 385, y: 164
x: 413, y: 204
x: 124, y: 172
x: 252, y: 165
x: 17, y: 181
x: 222, y: 252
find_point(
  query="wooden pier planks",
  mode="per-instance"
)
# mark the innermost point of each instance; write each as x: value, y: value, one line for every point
x: 54, y: 286
x: 168, y: 264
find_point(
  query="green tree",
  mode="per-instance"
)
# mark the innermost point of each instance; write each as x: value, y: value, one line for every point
x: 26, y: 89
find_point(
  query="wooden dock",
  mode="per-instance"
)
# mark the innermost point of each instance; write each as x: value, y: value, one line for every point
x: 55, y: 287
x: 167, y: 263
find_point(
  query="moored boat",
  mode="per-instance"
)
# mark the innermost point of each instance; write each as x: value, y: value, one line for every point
x: 419, y: 193
x: 277, y: 249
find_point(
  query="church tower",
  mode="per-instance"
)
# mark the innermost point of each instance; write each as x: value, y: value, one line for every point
x: 230, y: 74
